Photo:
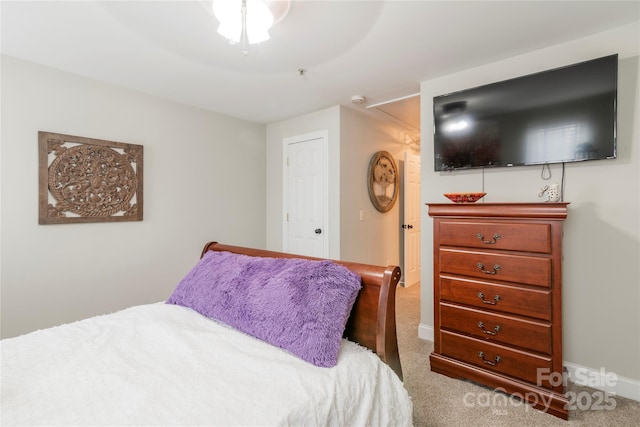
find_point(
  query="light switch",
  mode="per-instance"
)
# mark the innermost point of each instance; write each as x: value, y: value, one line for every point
x: 361, y: 215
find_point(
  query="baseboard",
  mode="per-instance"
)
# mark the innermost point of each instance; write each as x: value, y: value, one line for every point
x: 602, y: 380
x: 425, y: 332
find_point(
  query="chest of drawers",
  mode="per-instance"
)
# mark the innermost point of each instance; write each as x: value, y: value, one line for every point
x: 498, y: 298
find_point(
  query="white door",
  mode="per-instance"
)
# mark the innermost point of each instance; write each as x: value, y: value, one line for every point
x: 305, y: 195
x: 411, y: 220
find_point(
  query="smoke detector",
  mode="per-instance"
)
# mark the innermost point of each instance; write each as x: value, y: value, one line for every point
x: 357, y: 99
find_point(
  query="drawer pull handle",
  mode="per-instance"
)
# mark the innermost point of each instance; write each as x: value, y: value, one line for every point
x: 496, y: 329
x: 488, y: 242
x: 496, y: 359
x: 496, y: 267
x: 494, y: 302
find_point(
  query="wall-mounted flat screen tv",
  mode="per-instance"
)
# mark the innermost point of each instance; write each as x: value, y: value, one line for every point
x: 562, y: 115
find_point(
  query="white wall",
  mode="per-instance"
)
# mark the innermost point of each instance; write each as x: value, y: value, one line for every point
x: 203, y: 180
x: 601, y: 289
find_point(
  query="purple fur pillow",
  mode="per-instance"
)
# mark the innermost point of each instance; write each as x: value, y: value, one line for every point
x: 299, y: 305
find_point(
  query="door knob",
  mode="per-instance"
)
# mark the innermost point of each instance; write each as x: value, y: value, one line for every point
x: 318, y: 230
x: 405, y: 226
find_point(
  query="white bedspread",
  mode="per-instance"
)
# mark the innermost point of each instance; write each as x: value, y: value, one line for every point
x: 164, y: 364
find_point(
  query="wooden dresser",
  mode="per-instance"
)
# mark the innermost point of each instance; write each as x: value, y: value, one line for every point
x: 498, y: 298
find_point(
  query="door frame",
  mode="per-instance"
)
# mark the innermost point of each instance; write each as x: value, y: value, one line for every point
x: 323, y: 137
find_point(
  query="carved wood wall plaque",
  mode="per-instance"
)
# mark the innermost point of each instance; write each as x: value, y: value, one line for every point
x: 88, y: 180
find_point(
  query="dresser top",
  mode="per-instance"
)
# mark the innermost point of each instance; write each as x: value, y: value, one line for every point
x: 546, y: 210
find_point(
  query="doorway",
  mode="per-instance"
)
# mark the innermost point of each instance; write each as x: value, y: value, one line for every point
x: 404, y: 113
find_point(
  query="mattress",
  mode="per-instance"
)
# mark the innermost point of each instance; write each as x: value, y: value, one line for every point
x: 161, y: 364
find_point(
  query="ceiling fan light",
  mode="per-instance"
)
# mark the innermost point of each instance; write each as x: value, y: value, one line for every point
x: 230, y: 31
x: 257, y: 36
x: 229, y: 14
x: 227, y: 10
x: 259, y: 20
x: 255, y: 24
x: 258, y: 14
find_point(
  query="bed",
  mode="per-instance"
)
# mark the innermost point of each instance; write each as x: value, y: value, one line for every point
x: 248, y: 337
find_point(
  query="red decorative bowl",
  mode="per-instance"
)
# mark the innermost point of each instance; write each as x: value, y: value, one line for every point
x: 464, y: 197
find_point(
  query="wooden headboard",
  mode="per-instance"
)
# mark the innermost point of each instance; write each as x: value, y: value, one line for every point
x: 372, y: 323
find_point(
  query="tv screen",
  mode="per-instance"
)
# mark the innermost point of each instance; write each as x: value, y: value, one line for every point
x: 562, y: 115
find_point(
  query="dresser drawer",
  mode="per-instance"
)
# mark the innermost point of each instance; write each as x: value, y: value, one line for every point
x: 529, y: 237
x: 497, y: 328
x: 496, y: 297
x: 494, y: 357
x: 528, y: 270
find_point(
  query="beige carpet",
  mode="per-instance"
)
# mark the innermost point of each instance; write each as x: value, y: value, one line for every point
x: 441, y: 401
